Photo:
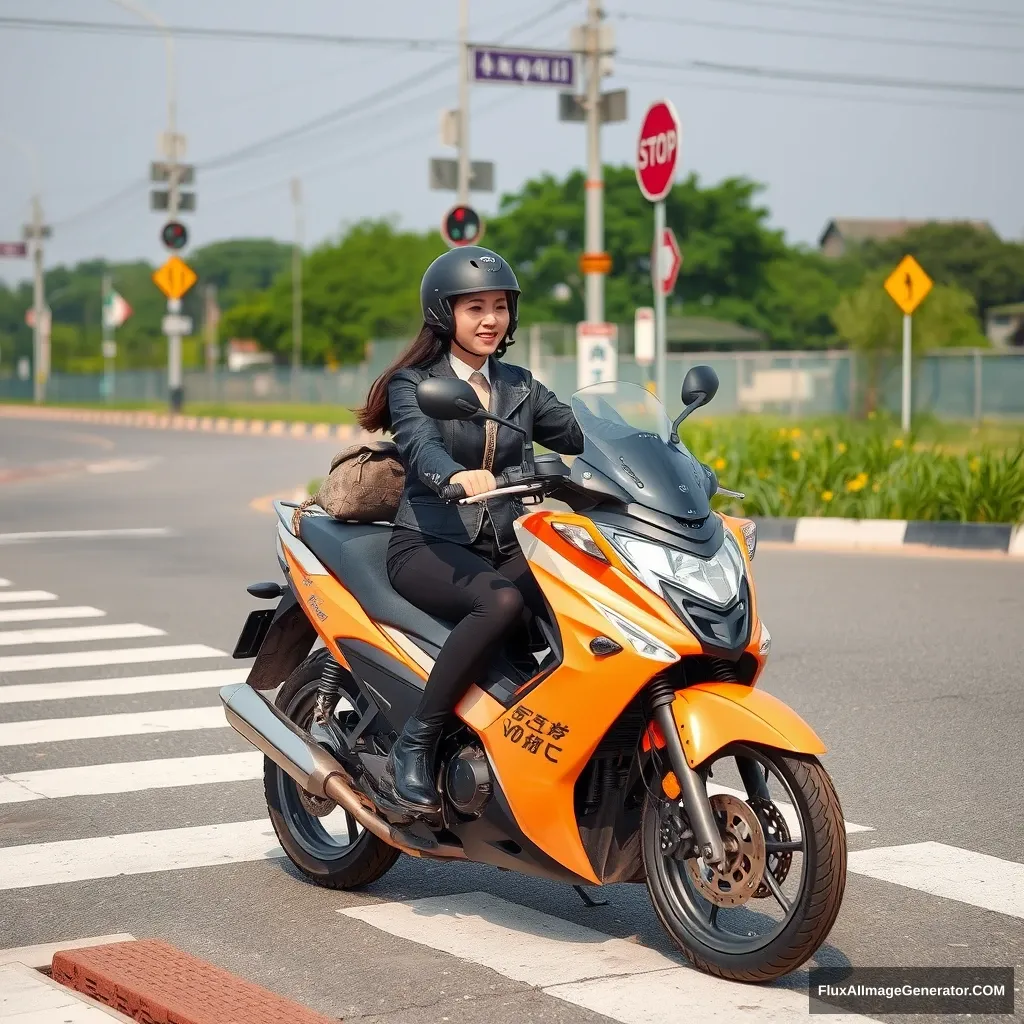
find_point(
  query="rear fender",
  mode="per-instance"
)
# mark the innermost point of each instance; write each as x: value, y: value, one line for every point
x: 289, y: 640
x: 710, y: 716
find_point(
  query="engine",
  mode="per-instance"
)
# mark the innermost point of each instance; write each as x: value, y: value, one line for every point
x: 468, y: 781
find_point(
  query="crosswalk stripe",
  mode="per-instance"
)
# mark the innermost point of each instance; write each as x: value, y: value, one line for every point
x: 22, y: 596
x: 577, y: 964
x: 43, y: 614
x: 91, y: 727
x: 77, y: 634
x: 130, y: 777
x: 121, y: 656
x: 788, y: 811
x: 976, y: 879
x: 137, y: 853
x: 171, y: 681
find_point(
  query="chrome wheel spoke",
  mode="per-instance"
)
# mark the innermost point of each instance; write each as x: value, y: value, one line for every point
x: 780, y: 896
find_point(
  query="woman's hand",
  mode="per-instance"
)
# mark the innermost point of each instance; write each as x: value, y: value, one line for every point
x: 474, y: 481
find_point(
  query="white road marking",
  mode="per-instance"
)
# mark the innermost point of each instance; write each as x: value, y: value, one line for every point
x: 130, y: 777
x: 962, y: 875
x: 77, y: 634
x: 137, y: 853
x: 90, y: 727
x: 43, y: 614
x: 621, y: 979
x: 20, y: 538
x: 4, y: 583
x: 121, y: 656
x: 23, y: 596
x: 788, y: 811
x: 25, y: 692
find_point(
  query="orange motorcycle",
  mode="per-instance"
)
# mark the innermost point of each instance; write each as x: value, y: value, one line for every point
x: 625, y: 741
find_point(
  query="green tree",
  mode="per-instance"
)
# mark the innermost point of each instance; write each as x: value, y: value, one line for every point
x: 872, y: 325
x: 240, y: 266
x: 976, y: 260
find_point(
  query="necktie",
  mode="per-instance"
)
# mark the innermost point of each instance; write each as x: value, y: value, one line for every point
x: 481, y: 387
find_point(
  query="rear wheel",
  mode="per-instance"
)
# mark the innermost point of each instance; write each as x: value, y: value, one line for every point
x: 774, y: 905
x: 323, y: 841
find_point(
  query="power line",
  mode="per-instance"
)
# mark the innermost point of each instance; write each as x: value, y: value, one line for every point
x: 324, y: 120
x: 830, y: 78
x: 812, y: 34
x: 235, y: 34
x: 846, y: 12
x: 969, y: 14
x: 760, y: 90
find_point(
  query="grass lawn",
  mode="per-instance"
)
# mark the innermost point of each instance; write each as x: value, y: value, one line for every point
x: 289, y: 413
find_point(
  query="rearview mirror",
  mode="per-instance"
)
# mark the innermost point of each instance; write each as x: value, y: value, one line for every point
x: 447, y: 398
x: 699, y: 385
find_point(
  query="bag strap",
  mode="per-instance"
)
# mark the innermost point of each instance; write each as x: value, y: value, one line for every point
x: 297, y: 514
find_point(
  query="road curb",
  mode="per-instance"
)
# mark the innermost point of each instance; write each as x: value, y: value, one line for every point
x: 875, y: 534
x: 151, y: 981
x: 197, y: 424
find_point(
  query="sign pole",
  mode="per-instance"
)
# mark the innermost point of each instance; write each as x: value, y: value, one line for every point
x: 174, y: 387
x: 594, y: 191
x: 659, y: 299
x: 906, y: 371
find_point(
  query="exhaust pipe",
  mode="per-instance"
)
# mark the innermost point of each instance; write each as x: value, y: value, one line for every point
x: 300, y: 757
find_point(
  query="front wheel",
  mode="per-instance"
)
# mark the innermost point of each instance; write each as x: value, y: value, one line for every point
x: 323, y: 841
x: 774, y: 904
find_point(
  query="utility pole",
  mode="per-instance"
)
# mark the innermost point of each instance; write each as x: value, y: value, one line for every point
x: 462, y: 197
x: 297, y: 284
x: 40, y: 314
x: 594, y: 197
x: 211, y: 319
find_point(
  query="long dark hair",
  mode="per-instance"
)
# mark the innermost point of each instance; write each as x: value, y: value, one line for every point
x: 426, y: 349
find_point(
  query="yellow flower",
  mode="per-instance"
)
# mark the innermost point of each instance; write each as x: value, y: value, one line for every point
x: 841, y: 447
x: 795, y: 433
x: 795, y: 455
x: 898, y: 443
x: 720, y: 463
x: 857, y: 483
x: 826, y: 495
x: 975, y: 464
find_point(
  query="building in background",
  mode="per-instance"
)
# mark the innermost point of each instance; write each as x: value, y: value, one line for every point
x: 244, y: 353
x: 843, y: 232
x: 1004, y: 325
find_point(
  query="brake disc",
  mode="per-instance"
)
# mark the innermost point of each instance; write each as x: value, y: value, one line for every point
x: 776, y: 830
x: 743, y: 839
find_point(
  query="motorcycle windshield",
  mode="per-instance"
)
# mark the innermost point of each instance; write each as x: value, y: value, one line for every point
x: 626, y: 436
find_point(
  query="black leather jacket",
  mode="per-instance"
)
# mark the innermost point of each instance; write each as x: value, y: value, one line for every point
x: 435, y: 450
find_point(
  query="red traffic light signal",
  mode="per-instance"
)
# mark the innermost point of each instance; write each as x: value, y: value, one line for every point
x: 174, y: 235
x: 462, y: 226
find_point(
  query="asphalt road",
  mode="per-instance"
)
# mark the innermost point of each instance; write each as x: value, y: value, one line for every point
x: 909, y: 669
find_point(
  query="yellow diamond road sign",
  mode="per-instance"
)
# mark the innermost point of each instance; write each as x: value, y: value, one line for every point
x: 175, y: 278
x: 908, y: 284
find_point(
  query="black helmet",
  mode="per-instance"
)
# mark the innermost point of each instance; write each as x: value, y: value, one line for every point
x: 462, y: 271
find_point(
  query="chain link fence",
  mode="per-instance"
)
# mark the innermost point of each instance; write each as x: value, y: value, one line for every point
x: 960, y: 384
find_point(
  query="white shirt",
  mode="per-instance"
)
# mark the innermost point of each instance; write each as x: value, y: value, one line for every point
x: 465, y: 371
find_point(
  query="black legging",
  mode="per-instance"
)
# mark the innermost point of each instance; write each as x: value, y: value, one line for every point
x: 486, y: 599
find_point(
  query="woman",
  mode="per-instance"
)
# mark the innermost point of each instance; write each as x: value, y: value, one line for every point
x: 461, y: 563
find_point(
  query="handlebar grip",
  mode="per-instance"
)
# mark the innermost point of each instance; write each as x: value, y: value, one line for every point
x: 452, y: 492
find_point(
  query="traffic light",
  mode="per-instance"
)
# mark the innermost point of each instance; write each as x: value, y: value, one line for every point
x: 462, y: 226
x: 174, y: 235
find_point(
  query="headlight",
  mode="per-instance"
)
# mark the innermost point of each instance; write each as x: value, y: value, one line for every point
x: 716, y: 579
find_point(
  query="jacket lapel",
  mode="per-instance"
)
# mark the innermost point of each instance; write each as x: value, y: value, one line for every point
x: 509, y: 392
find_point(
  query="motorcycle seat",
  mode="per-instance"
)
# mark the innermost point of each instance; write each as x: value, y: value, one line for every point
x: 356, y: 556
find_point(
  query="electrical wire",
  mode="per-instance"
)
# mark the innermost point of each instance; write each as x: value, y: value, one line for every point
x: 844, y: 37
x: 889, y: 14
x: 234, y: 34
x: 830, y: 78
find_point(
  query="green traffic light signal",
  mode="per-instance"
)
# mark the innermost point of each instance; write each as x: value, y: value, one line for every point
x: 461, y: 226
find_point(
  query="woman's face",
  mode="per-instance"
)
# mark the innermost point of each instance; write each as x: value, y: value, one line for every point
x: 481, y: 321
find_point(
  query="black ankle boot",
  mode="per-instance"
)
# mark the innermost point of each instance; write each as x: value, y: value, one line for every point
x: 411, y: 765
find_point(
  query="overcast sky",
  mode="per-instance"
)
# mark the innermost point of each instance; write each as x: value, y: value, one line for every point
x: 93, y: 105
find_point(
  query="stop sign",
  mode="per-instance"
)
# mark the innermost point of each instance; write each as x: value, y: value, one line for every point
x: 657, y: 150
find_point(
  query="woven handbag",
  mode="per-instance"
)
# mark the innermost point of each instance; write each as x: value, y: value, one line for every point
x: 364, y: 485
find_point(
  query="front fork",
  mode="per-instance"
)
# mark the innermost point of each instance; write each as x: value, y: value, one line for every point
x: 695, y: 794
